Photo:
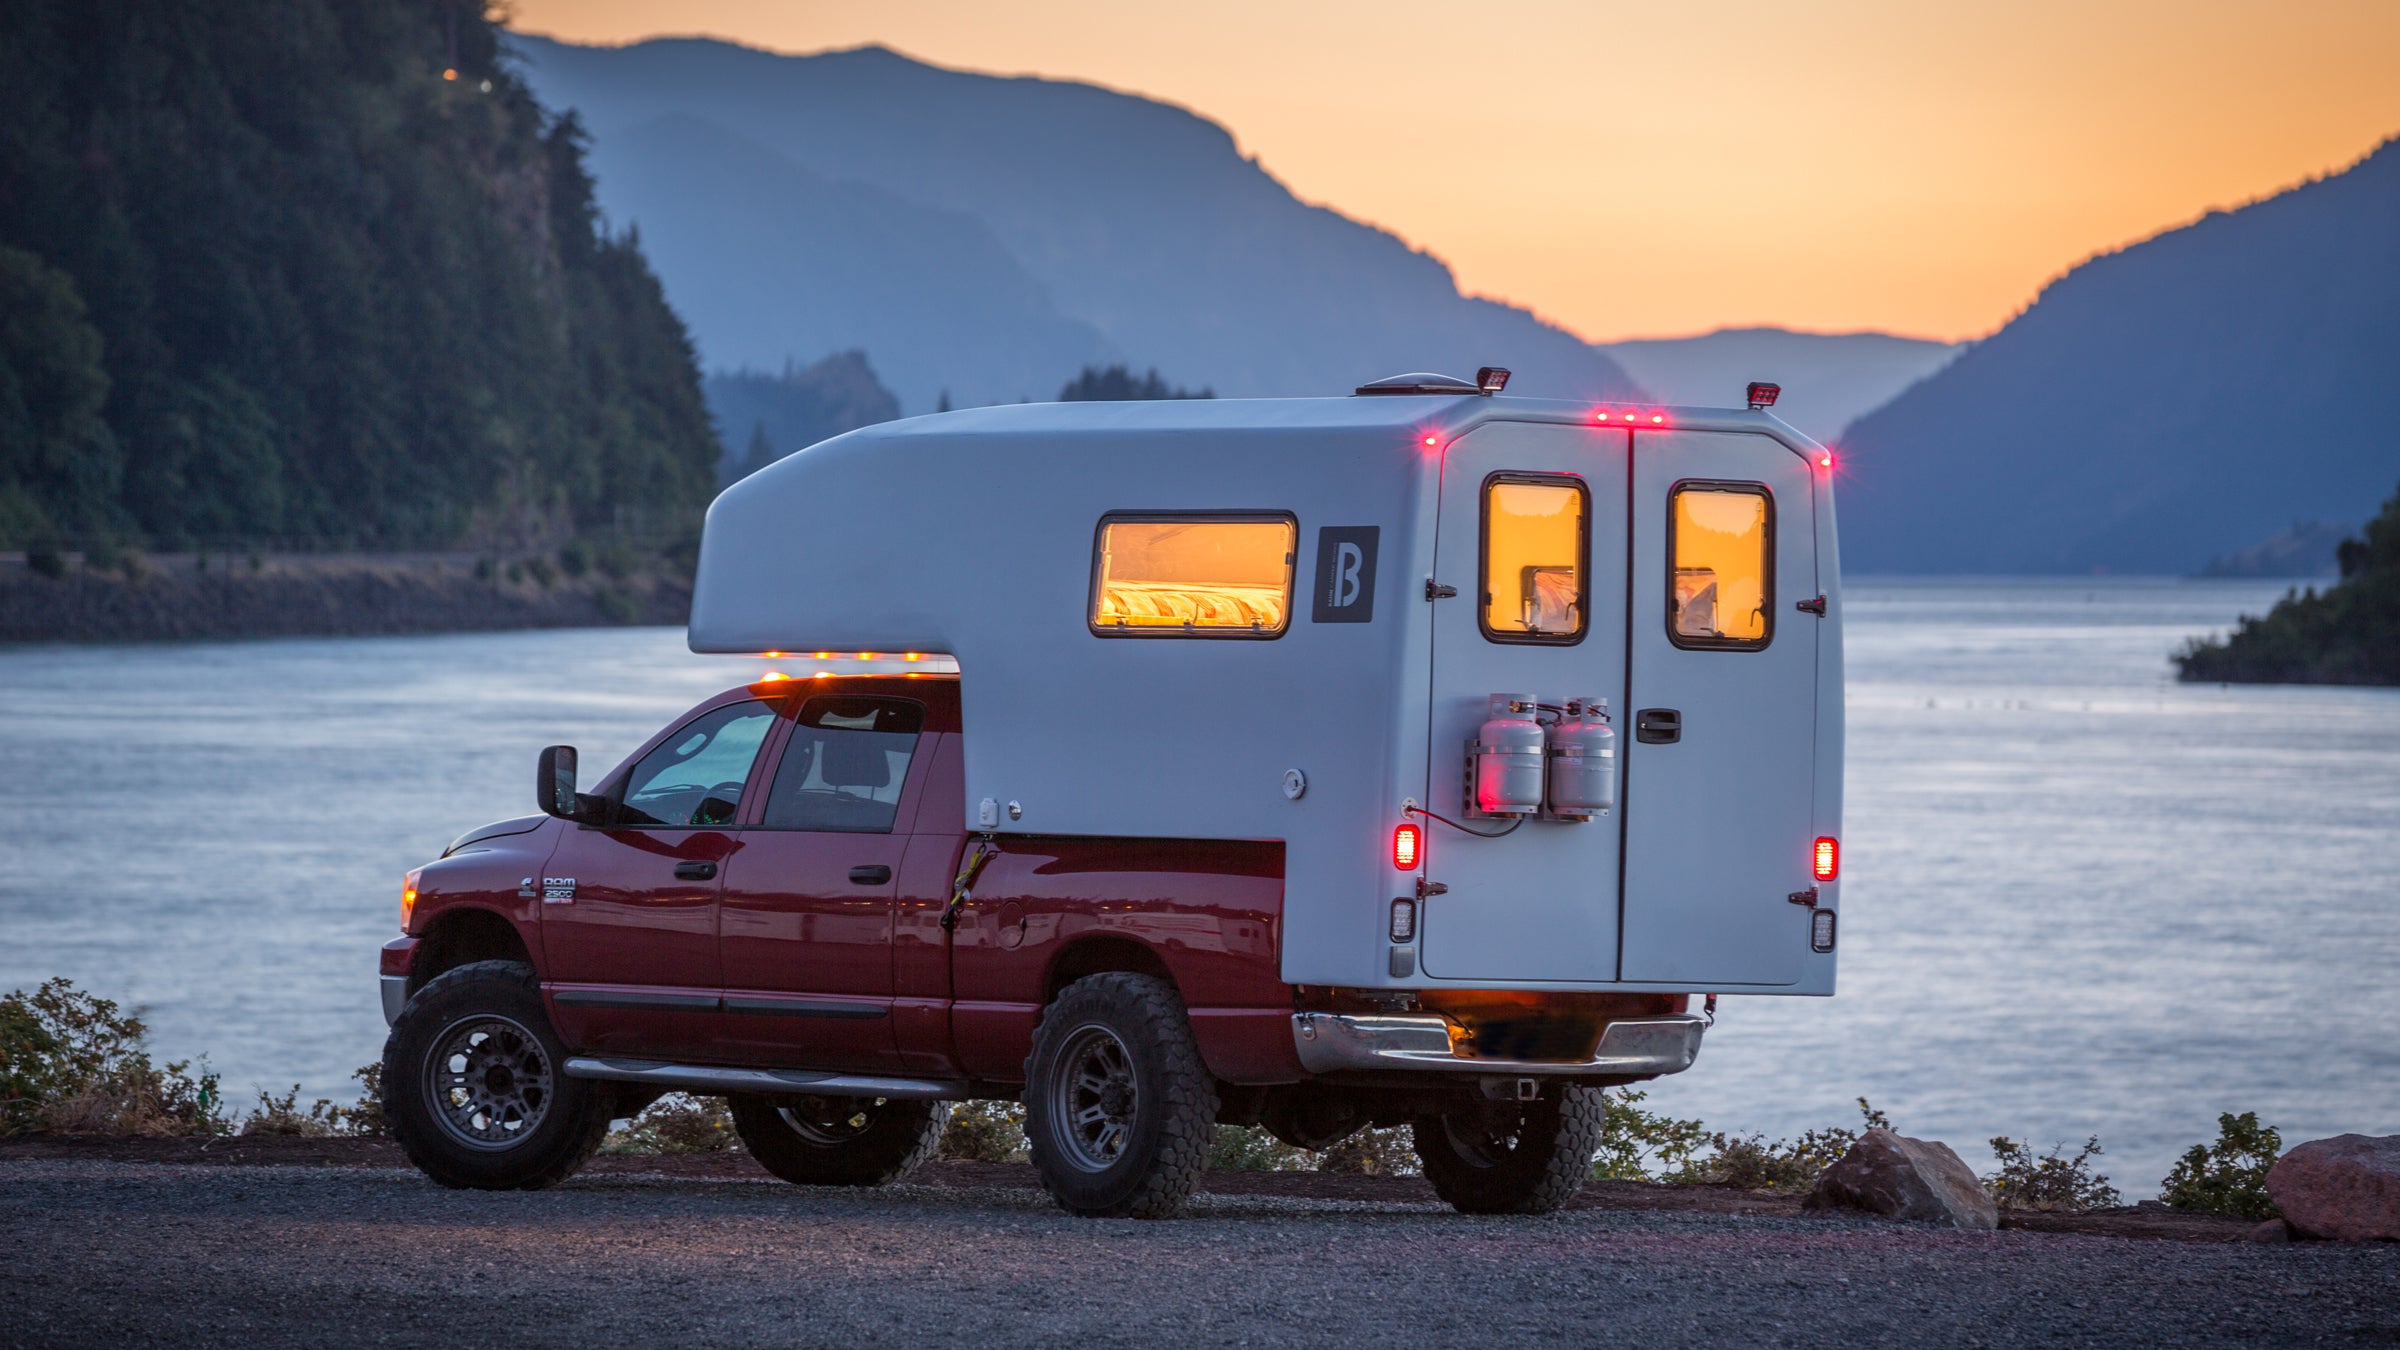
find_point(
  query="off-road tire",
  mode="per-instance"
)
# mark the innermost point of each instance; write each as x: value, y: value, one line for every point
x: 1167, y: 1120
x: 1544, y: 1162
x: 894, y: 1138
x: 573, y: 1113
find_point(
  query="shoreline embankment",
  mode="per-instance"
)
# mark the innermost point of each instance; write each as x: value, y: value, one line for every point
x: 219, y: 596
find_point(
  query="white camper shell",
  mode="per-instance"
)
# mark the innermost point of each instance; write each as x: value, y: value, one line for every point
x: 1288, y: 620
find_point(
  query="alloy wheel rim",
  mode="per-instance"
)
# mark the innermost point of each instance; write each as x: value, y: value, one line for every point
x: 489, y: 1082
x: 1095, y: 1098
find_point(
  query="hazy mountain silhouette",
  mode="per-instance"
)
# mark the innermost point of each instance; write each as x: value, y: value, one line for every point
x: 1828, y: 379
x: 1136, y: 219
x: 2184, y: 398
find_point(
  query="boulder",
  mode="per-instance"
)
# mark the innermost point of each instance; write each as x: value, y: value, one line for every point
x: 2346, y: 1188
x: 1919, y: 1180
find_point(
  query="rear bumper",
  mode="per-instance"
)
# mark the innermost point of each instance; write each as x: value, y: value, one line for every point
x: 1641, y: 1047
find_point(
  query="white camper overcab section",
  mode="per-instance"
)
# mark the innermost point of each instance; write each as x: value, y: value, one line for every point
x: 1535, y: 695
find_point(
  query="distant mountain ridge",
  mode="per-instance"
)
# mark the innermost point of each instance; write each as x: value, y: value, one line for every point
x: 2183, y: 398
x: 783, y: 198
x: 1828, y: 379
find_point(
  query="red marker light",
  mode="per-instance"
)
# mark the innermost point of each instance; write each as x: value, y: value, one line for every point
x: 1404, y: 848
x: 1825, y: 461
x: 1660, y: 418
x: 1431, y: 441
x: 1829, y: 858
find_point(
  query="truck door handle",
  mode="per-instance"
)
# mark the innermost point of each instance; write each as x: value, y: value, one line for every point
x: 870, y: 876
x: 1658, y: 726
x: 695, y: 871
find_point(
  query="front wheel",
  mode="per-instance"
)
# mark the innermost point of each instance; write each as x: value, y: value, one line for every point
x: 1119, y: 1109
x: 838, y: 1141
x: 474, y: 1085
x: 1512, y: 1157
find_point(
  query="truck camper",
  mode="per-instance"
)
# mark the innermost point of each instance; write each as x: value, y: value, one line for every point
x: 1421, y: 757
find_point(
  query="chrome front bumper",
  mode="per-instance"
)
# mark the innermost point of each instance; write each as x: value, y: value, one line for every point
x: 1636, y: 1046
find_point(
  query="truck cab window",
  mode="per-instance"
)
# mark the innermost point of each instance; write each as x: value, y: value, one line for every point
x: 1534, y: 545
x: 844, y: 766
x: 695, y: 776
x: 1720, y: 538
x: 1186, y: 576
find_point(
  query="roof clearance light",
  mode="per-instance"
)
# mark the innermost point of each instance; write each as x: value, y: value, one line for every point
x: 1600, y: 416
x: 1829, y: 858
x: 1430, y: 440
x: 1660, y: 418
x: 1491, y: 379
x: 771, y: 676
x: 1405, y: 840
x: 1825, y: 461
x: 1762, y: 395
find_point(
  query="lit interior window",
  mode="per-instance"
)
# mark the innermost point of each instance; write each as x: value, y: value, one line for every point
x: 1722, y: 582
x: 1533, y: 560
x: 1165, y: 577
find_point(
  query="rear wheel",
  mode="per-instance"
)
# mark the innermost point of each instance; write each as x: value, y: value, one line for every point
x: 475, y: 1088
x: 838, y: 1141
x: 1119, y: 1109
x: 1512, y: 1157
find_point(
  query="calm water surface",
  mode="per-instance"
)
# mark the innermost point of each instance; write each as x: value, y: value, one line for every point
x: 2079, y: 897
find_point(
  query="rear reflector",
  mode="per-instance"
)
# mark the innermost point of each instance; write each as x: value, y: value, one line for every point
x: 1404, y: 848
x: 1404, y: 919
x: 1820, y: 930
x: 1829, y: 858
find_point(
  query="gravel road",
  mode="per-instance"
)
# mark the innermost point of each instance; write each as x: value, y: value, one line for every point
x: 112, y: 1253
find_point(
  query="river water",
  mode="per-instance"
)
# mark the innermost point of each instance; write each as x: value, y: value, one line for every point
x: 2079, y: 898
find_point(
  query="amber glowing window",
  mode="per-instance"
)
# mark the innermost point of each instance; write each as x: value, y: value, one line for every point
x: 1193, y: 576
x: 1534, y: 553
x: 1721, y: 541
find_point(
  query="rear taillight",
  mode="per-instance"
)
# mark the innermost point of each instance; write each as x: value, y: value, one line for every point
x: 1829, y: 858
x: 408, y: 897
x: 1405, y: 842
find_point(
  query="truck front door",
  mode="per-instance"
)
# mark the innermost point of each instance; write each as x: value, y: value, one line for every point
x: 1719, y: 743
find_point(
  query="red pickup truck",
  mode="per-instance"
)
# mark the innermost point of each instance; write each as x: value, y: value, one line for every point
x: 776, y: 900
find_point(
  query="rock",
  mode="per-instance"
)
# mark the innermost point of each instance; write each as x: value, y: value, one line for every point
x: 2346, y: 1188
x: 2273, y: 1230
x: 1919, y: 1180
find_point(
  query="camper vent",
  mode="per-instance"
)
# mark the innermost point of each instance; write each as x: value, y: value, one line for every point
x: 1419, y: 382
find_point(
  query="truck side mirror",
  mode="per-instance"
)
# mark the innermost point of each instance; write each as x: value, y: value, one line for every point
x: 554, y: 782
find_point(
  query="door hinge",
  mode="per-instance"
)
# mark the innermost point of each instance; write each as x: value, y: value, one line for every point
x: 1426, y: 888
x: 1807, y: 897
x: 1816, y: 606
x: 1435, y: 590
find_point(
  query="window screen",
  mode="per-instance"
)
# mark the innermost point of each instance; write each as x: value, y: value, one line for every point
x: 695, y: 776
x: 1721, y: 541
x: 1182, y: 576
x: 844, y: 766
x: 1533, y: 559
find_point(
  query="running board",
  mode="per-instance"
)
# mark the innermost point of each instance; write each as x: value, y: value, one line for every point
x: 715, y: 1081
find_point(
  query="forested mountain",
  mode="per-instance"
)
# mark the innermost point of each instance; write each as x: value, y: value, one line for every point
x: 1044, y: 214
x: 315, y: 267
x: 2347, y: 634
x: 2184, y: 398
x: 765, y: 417
x: 1829, y: 379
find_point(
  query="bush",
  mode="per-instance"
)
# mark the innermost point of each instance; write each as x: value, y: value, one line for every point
x: 1248, y: 1148
x: 2053, y: 1181
x: 986, y: 1132
x: 1388, y: 1152
x: 2229, y: 1176
x: 1750, y: 1163
x: 282, y: 1115
x: 676, y: 1123
x: 1638, y: 1145
x: 543, y: 574
x: 575, y: 559
x: 72, y: 1062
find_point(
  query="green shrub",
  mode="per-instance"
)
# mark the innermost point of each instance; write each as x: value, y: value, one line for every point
x: 72, y: 1062
x: 986, y: 1132
x: 2229, y: 1176
x: 619, y: 604
x: 1749, y: 1162
x: 2053, y: 1181
x: 282, y: 1115
x: 1250, y: 1148
x: 1387, y: 1152
x: 1639, y: 1145
x: 676, y: 1123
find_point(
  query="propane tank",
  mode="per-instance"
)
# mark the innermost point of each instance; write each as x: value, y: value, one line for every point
x: 1583, y: 761
x: 1508, y: 758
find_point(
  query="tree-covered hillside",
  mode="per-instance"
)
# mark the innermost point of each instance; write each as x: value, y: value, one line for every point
x: 315, y: 268
x: 2347, y: 634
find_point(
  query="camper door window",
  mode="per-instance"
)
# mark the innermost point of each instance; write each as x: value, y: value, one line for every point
x: 1536, y: 546
x: 1193, y: 575
x: 1721, y: 546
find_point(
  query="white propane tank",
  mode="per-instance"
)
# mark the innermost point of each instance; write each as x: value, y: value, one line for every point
x: 1583, y: 761
x: 1508, y: 758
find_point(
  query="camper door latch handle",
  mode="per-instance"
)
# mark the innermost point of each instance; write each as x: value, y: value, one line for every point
x: 1658, y: 726
x: 1816, y: 606
x: 1807, y: 897
x: 1435, y: 590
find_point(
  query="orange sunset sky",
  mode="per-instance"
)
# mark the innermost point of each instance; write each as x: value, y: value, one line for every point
x: 1665, y: 168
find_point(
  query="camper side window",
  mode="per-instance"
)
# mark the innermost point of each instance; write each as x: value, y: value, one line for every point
x: 1534, y: 552
x: 1218, y: 575
x: 1721, y: 581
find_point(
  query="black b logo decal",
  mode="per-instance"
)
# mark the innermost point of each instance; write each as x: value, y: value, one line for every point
x: 1345, y: 574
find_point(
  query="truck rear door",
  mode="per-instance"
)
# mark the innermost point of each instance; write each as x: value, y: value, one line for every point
x: 1719, y: 745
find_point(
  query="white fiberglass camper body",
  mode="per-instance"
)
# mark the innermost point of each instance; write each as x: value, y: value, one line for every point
x: 1287, y: 620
